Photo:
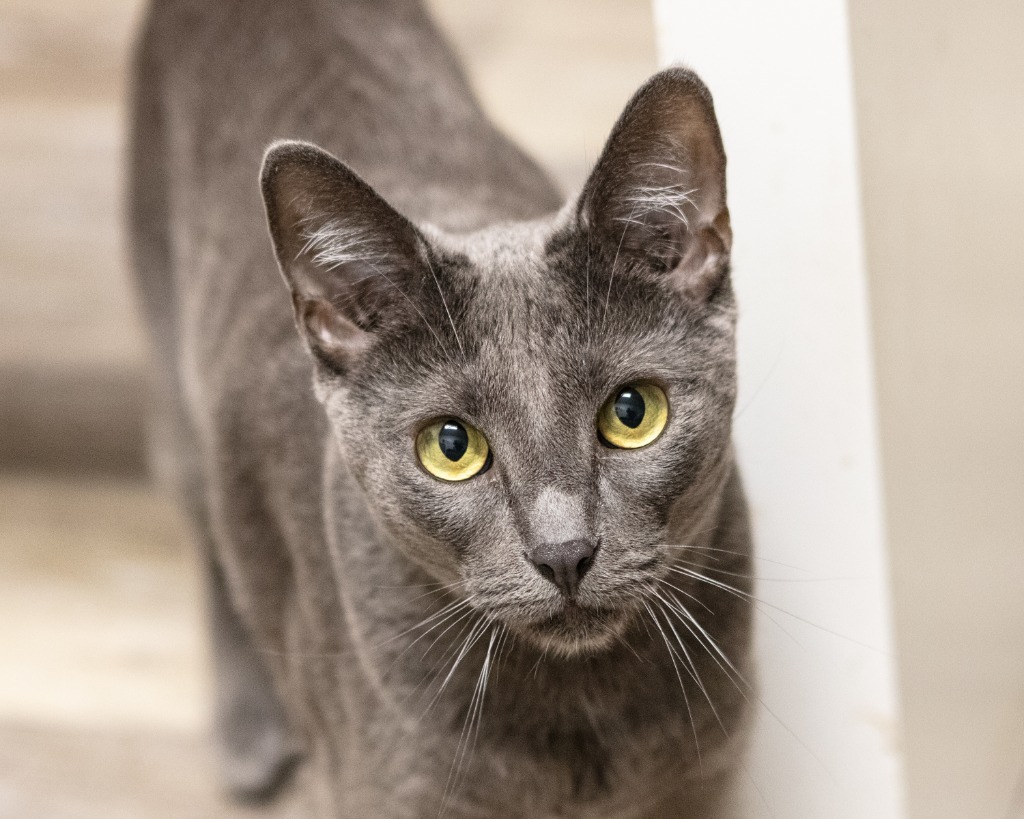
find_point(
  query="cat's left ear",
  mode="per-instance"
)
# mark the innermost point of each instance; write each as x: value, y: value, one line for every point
x: 657, y: 194
x: 354, y: 265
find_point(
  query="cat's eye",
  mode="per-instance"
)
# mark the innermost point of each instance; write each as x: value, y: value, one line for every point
x: 453, y: 450
x: 634, y: 416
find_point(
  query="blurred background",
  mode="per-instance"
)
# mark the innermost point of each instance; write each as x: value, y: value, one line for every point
x: 104, y: 702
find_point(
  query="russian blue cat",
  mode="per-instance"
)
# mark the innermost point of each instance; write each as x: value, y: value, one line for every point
x: 475, y: 538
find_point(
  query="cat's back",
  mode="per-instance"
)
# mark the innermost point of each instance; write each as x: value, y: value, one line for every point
x: 372, y: 81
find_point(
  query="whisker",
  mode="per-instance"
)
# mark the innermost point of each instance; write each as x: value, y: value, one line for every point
x: 693, y: 597
x: 758, y: 558
x: 468, y: 736
x: 445, y: 588
x: 461, y: 619
x: 682, y: 687
x: 451, y: 321
x: 611, y: 274
x: 540, y: 658
x: 625, y: 644
x: 464, y: 622
x: 475, y: 633
x: 760, y: 577
x: 301, y: 655
x: 691, y: 623
x: 507, y: 640
x: 692, y: 667
x: 747, y: 596
x: 757, y: 789
x: 687, y: 619
x: 439, y: 586
x: 459, y: 616
x: 448, y: 608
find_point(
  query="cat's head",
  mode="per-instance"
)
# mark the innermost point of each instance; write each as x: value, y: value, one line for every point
x: 534, y: 410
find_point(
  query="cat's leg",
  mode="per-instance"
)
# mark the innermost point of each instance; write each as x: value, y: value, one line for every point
x: 257, y: 750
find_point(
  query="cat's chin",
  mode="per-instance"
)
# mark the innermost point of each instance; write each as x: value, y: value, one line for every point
x: 576, y: 630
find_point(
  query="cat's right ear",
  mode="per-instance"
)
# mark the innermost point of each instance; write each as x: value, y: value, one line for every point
x: 656, y: 197
x: 344, y: 252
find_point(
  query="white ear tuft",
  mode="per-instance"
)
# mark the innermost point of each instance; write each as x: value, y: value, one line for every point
x: 657, y: 193
x: 348, y: 257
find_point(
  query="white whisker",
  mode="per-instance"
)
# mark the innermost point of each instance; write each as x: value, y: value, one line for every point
x: 697, y: 630
x: 682, y: 686
x: 444, y: 301
x: 334, y: 244
x: 747, y: 596
x: 468, y: 736
x: 474, y: 635
x: 692, y: 665
x: 696, y: 548
x: 450, y: 607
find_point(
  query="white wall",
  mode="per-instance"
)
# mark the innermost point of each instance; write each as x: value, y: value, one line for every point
x: 827, y: 738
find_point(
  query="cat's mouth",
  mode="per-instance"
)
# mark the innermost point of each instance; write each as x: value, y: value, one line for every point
x: 577, y: 629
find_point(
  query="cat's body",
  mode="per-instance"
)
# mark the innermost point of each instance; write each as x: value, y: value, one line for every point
x: 322, y: 547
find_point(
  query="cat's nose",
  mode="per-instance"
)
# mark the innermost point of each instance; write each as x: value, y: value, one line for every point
x: 565, y: 563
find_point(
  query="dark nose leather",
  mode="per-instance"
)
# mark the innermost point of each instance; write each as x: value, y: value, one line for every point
x: 565, y: 563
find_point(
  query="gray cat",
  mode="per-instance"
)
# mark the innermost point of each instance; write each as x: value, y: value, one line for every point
x: 475, y: 537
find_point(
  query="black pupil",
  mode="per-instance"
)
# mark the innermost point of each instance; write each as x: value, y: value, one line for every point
x: 630, y: 408
x: 453, y: 440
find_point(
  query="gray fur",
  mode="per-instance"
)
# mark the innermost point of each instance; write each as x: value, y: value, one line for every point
x: 432, y: 273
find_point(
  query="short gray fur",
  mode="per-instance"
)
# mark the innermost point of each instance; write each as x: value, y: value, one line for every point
x: 434, y: 271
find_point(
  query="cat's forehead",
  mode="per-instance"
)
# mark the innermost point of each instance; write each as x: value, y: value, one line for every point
x: 507, y: 288
x: 527, y: 296
x: 499, y: 257
x: 541, y: 323
x: 514, y: 312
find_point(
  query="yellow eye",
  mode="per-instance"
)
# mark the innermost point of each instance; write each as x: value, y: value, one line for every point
x: 452, y: 450
x: 634, y: 416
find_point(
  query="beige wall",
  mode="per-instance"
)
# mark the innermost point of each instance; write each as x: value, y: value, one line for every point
x: 940, y: 89
x: 554, y: 74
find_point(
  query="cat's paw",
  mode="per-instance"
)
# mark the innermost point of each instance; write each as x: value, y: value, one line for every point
x: 257, y: 751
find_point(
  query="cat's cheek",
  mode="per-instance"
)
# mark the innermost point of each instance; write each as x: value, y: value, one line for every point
x: 456, y: 515
x: 624, y: 518
x: 640, y: 495
x: 638, y: 479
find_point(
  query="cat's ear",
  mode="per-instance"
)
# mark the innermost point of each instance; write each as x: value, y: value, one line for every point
x: 657, y: 194
x: 345, y: 253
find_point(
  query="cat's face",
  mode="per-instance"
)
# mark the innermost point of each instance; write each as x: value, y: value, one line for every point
x: 533, y: 411
x: 529, y: 364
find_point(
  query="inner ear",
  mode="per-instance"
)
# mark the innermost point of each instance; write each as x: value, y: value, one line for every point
x: 351, y: 261
x: 656, y: 197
